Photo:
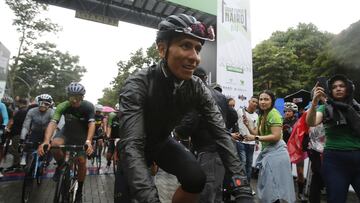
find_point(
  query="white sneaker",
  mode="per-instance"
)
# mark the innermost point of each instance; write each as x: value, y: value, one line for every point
x: 23, y: 161
x: 1, y: 175
x: 253, y: 192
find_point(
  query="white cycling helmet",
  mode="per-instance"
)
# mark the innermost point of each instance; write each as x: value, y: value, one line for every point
x: 117, y: 107
x: 44, y: 98
x: 98, y: 107
x: 290, y: 106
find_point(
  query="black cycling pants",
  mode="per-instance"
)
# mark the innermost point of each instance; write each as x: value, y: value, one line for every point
x: 175, y: 159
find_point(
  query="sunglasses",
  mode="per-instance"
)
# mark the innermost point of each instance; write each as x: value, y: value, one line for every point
x: 44, y: 103
x: 199, y: 30
x: 76, y: 98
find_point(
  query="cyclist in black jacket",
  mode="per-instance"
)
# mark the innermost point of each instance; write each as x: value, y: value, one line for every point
x: 155, y: 99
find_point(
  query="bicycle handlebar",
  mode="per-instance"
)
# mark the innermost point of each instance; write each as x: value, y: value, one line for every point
x: 71, y: 147
x: 28, y: 145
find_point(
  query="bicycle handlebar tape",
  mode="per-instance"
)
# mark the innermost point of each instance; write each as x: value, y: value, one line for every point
x: 241, y: 189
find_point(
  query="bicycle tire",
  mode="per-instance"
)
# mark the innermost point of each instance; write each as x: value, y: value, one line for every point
x: 28, y: 182
x: 39, y: 174
x: 66, y: 189
x: 74, y: 184
x: 98, y: 157
x: 93, y: 155
x: 61, y: 188
x: 115, y: 161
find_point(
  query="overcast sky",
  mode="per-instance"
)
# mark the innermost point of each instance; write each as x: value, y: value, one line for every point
x: 101, y: 46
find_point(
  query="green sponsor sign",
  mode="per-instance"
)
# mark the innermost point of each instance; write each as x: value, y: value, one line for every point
x: 207, y: 6
x: 235, y: 69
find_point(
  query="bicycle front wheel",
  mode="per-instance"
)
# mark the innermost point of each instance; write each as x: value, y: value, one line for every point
x: 28, y: 182
x: 40, y: 173
x: 98, y: 158
x: 62, y: 188
x: 73, y: 185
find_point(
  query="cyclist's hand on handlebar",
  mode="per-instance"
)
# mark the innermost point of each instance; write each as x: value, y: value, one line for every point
x: 41, y: 151
x: 89, y: 149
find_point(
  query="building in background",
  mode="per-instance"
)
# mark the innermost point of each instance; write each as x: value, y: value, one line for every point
x: 4, y: 62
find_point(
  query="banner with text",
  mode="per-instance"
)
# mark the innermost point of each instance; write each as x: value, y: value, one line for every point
x: 234, y: 58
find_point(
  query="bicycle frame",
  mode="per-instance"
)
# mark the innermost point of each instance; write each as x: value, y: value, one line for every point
x: 67, y: 185
x: 97, y: 152
x: 38, y: 163
x: 34, y: 165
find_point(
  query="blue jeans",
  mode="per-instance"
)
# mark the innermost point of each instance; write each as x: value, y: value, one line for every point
x: 341, y: 169
x: 246, y: 152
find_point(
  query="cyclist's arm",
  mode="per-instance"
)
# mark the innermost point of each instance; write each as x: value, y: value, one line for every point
x: 108, y: 131
x: 4, y: 114
x: 91, y: 131
x: 26, y: 125
x: 10, y: 124
x: 222, y: 137
x: 50, y: 131
x: 133, y: 140
x: 56, y: 116
x: 109, y: 124
x: 103, y: 125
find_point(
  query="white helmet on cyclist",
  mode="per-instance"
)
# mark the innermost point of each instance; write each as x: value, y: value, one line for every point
x: 290, y: 106
x: 98, y: 107
x: 44, y: 98
x: 117, y: 107
x: 7, y: 99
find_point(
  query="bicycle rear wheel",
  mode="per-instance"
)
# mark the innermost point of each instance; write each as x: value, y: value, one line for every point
x: 28, y: 182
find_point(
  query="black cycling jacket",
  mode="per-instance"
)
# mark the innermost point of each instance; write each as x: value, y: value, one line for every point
x: 152, y: 102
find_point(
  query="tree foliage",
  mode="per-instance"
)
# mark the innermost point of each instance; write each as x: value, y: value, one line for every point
x: 30, y: 27
x: 46, y: 70
x: 138, y: 60
x: 342, y: 56
x: 285, y: 62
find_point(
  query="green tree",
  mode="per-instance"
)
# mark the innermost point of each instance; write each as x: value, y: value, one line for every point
x: 276, y: 68
x: 136, y: 62
x: 342, y: 56
x: 46, y: 70
x: 285, y: 61
x: 30, y: 27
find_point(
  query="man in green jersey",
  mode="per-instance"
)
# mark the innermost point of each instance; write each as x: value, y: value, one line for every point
x: 79, y: 129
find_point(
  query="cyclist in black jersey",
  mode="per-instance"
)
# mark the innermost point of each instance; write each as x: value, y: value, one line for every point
x: 155, y: 99
x: 100, y: 124
x: 112, y: 132
x: 78, y: 130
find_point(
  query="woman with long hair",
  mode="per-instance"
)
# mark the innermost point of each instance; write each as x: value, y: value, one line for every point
x: 275, y: 180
